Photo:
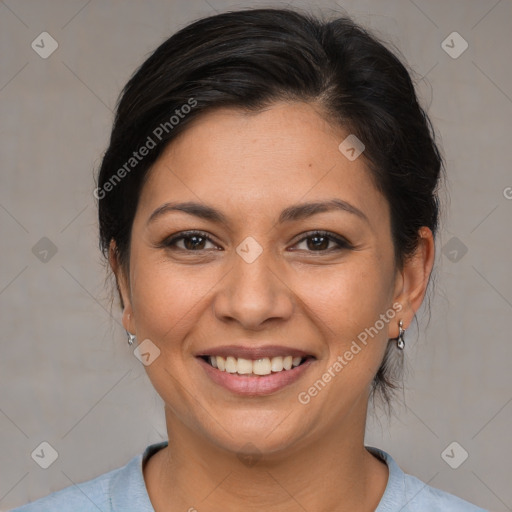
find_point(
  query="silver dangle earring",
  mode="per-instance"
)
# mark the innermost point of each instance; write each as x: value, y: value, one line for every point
x: 400, y: 342
x: 131, y: 338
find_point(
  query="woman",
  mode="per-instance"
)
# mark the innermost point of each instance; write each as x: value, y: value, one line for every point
x: 268, y: 207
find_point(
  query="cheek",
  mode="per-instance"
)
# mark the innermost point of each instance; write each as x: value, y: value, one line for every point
x: 351, y: 308
x: 168, y: 298
x: 347, y: 298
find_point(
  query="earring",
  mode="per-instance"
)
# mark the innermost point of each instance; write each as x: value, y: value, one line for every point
x: 400, y: 342
x: 131, y: 338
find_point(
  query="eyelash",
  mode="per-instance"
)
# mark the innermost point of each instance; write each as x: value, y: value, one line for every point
x: 170, y: 243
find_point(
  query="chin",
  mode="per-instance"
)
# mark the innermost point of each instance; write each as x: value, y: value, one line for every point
x: 258, y: 433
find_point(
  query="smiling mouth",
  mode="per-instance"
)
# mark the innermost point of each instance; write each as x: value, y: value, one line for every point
x: 257, y: 367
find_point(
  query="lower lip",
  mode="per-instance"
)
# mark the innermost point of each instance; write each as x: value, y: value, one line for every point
x: 255, y: 386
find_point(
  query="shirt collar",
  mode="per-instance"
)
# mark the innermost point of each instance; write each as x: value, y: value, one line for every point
x: 128, y: 486
x: 396, y: 482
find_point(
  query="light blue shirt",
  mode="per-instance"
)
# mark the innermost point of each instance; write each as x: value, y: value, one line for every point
x: 124, y: 490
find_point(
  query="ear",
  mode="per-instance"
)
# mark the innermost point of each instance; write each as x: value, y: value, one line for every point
x: 123, y: 287
x: 412, y: 281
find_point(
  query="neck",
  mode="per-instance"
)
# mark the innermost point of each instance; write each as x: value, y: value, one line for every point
x: 335, y: 473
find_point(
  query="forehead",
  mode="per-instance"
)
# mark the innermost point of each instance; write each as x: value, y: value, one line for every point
x: 259, y: 161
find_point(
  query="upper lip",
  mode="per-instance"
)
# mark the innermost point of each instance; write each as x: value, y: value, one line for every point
x: 244, y: 352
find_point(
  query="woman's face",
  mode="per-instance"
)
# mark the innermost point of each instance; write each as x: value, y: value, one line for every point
x: 257, y: 288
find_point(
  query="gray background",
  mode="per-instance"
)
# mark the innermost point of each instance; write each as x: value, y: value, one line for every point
x: 67, y: 375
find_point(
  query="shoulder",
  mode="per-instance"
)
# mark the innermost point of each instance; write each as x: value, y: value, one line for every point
x: 409, y: 494
x: 120, y: 489
x: 92, y: 495
x: 420, y: 495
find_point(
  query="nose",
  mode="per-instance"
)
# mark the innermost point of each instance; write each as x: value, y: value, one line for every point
x: 254, y: 293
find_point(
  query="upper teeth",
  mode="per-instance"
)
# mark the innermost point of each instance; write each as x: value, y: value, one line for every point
x: 264, y: 366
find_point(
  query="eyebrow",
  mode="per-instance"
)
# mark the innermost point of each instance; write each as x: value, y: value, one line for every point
x: 290, y: 214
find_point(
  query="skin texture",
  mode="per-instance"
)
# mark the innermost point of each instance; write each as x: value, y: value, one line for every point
x: 251, y: 167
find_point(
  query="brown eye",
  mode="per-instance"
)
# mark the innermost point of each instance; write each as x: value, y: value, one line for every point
x: 192, y: 241
x: 319, y: 241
